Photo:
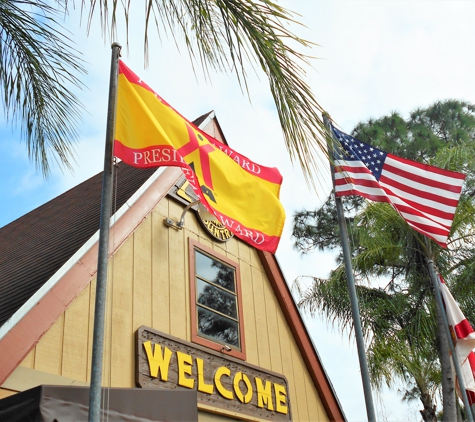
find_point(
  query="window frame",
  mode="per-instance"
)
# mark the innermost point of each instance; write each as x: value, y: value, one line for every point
x: 195, y: 336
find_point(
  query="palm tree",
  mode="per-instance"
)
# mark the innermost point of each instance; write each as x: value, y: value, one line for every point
x: 39, y: 64
x: 399, y: 320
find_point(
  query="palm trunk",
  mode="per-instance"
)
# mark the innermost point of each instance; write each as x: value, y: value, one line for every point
x: 429, y: 412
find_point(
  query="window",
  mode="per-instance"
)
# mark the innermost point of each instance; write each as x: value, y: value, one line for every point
x: 215, y: 301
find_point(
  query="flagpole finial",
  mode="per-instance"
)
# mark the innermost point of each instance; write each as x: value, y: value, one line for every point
x: 116, y: 45
x: 327, y: 120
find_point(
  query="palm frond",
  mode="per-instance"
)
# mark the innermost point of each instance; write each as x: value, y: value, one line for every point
x: 37, y: 66
x: 227, y: 34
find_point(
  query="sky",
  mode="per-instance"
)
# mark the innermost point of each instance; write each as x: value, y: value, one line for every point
x: 372, y: 58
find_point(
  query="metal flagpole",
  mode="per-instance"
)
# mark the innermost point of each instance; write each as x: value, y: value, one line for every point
x: 446, y: 332
x: 352, y: 289
x: 103, y: 254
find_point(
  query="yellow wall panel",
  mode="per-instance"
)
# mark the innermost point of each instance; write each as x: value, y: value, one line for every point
x: 298, y: 374
x: 286, y: 344
x: 192, y: 224
x: 274, y: 331
x: 50, y: 349
x: 314, y: 404
x: 244, y: 253
x: 232, y: 246
x: 179, y: 308
x: 250, y: 330
x: 122, y: 340
x: 205, y: 239
x: 76, y: 325
x: 160, y: 271
x: 29, y: 361
x: 6, y: 393
x: 92, y: 297
x: 142, y: 293
x: 260, y: 317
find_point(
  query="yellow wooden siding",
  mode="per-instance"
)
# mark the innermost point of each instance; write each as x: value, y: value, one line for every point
x: 49, y: 351
x: 150, y: 286
x: 160, y: 270
x: 178, y: 250
x: 76, y: 336
x: 6, y: 393
x: 142, y: 289
x: 122, y: 351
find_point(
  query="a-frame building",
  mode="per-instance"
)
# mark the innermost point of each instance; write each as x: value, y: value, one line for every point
x: 186, y: 309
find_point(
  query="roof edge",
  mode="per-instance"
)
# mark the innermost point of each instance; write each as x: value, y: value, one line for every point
x: 304, y: 342
x: 71, y: 262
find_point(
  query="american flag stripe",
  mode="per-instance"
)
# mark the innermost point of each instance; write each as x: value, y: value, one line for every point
x: 420, y: 220
x: 435, y: 192
x: 424, y: 225
x: 364, y: 182
x: 351, y: 190
x: 433, y: 202
x: 425, y: 196
x: 444, y: 218
x: 424, y: 176
x: 403, y: 205
x: 355, y: 179
x: 449, y: 175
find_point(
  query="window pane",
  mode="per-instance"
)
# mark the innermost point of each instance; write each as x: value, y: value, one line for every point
x: 215, y: 271
x: 216, y: 298
x: 218, y: 327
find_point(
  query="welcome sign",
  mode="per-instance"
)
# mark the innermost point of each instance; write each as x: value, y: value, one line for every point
x: 222, y: 382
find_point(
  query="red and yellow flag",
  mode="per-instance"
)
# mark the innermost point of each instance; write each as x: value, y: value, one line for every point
x: 243, y: 195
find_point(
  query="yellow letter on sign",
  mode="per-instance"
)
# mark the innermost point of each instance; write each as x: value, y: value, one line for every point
x: 237, y: 389
x: 222, y: 370
x: 184, y: 367
x: 280, y: 398
x: 202, y: 386
x: 264, y: 394
x: 158, y: 361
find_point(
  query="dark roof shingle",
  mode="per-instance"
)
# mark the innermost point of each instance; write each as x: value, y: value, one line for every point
x: 36, y: 245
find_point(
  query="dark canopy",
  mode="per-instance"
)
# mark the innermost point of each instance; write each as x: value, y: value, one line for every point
x: 66, y: 403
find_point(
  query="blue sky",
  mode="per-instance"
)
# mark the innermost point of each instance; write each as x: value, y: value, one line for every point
x: 373, y: 58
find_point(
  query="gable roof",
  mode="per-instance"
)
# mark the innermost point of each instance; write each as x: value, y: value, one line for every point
x: 50, y: 254
x: 29, y: 252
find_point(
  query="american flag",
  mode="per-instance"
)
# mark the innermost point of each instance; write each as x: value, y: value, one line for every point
x: 425, y: 196
x: 463, y: 337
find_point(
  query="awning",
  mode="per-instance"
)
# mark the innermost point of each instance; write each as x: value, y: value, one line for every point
x: 68, y: 403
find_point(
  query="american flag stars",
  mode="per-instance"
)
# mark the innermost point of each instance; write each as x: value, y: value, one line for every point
x: 371, y: 156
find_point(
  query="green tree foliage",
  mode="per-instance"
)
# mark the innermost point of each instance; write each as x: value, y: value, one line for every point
x: 390, y: 259
x: 38, y: 64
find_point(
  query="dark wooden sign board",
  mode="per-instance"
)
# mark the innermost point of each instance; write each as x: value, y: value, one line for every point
x: 226, y: 383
